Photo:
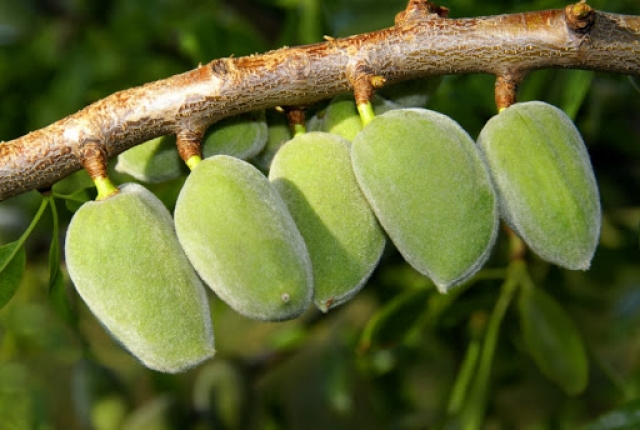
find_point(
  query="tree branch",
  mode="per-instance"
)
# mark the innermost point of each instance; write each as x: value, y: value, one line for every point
x: 423, y: 42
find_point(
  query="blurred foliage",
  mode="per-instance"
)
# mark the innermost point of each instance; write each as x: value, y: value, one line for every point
x: 397, y: 356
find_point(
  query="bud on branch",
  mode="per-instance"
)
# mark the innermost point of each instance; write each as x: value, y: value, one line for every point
x: 423, y: 42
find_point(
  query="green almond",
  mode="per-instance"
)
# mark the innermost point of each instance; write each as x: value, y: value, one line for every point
x: 239, y: 235
x: 154, y: 161
x: 546, y: 185
x: 430, y: 190
x: 279, y: 133
x: 413, y: 93
x: 126, y: 263
x: 313, y: 174
x: 241, y: 136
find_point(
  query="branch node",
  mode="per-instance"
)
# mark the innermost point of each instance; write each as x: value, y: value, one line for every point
x: 93, y: 157
x: 580, y: 16
x: 296, y: 118
x: 420, y: 9
x: 188, y: 143
x: 364, y: 83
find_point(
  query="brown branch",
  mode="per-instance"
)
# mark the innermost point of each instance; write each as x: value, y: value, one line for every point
x: 422, y: 42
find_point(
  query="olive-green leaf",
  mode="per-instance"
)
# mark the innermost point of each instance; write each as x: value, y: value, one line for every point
x: 75, y: 200
x: 553, y: 340
x: 219, y: 392
x: 12, y: 262
x: 391, y: 323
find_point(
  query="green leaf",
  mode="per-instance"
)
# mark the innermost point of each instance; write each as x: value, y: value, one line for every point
x: 626, y: 417
x: 54, y: 249
x: 13, y: 259
x: 219, y: 393
x: 76, y: 199
x: 575, y: 90
x: 390, y: 325
x: 12, y: 263
x: 154, y: 415
x: 635, y: 82
x: 553, y: 340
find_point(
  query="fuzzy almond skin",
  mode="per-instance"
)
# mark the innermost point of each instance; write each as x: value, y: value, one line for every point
x: 430, y: 190
x: 313, y: 174
x: 126, y: 263
x: 239, y: 235
x: 154, y: 161
x: 242, y: 136
x: 546, y: 186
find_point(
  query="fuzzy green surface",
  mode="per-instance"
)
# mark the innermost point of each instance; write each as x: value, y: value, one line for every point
x: 546, y: 186
x: 279, y: 133
x: 239, y: 235
x: 241, y: 136
x: 154, y: 161
x: 126, y: 263
x: 313, y: 174
x: 430, y: 190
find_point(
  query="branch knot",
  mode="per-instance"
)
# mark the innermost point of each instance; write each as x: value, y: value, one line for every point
x: 580, y: 16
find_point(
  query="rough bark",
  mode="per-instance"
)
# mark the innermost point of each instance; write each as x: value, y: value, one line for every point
x: 423, y: 42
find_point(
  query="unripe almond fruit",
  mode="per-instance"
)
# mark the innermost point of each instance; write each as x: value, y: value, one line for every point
x: 242, y: 136
x: 154, y: 161
x: 429, y: 188
x: 126, y: 263
x: 313, y: 174
x: 546, y: 186
x: 239, y: 235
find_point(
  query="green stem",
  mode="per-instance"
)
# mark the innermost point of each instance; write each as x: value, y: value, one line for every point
x: 298, y: 129
x: 366, y: 113
x: 193, y: 161
x: 34, y: 222
x: 473, y: 416
x: 54, y: 250
x: 105, y: 187
x: 468, y: 368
